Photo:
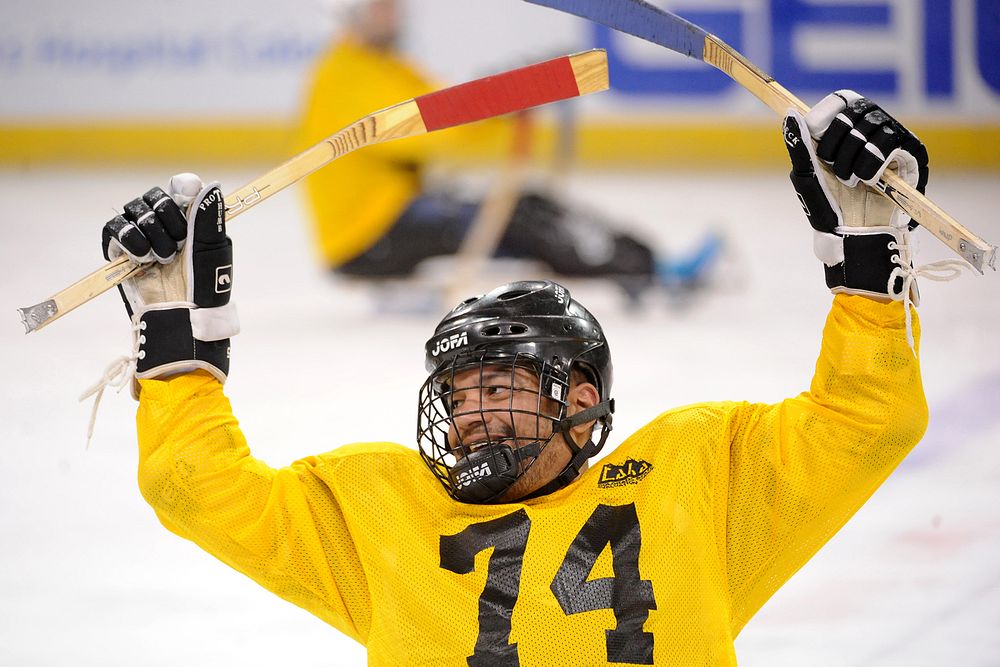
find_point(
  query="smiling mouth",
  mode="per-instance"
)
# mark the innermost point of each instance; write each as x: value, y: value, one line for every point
x: 476, y: 446
x: 479, y: 441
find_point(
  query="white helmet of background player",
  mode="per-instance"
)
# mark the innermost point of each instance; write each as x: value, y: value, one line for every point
x: 477, y: 360
x: 374, y: 22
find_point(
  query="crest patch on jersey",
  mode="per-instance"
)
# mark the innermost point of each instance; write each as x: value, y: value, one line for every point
x: 629, y: 472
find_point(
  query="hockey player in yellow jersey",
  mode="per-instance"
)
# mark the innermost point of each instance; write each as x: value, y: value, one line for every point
x: 354, y: 201
x: 498, y: 542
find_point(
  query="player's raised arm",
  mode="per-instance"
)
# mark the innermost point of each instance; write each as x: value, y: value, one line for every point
x: 799, y: 469
x: 195, y: 468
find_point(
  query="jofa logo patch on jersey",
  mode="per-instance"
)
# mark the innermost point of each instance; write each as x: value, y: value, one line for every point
x: 629, y: 472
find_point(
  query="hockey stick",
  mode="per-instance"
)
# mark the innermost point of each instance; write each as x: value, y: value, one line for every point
x: 564, y: 148
x: 494, y: 213
x: 522, y: 88
x: 643, y: 20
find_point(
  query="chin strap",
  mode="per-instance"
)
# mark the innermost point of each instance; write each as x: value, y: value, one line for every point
x: 602, y: 412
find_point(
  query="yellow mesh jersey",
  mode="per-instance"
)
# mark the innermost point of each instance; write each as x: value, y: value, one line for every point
x: 355, y: 199
x: 659, y: 553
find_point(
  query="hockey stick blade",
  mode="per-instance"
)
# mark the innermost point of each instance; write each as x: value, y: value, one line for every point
x: 645, y: 21
x: 550, y: 81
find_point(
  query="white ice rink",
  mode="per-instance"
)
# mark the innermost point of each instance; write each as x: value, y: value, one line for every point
x: 89, y: 577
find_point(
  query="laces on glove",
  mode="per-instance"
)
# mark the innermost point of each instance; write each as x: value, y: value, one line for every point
x: 118, y: 374
x: 941, y: 271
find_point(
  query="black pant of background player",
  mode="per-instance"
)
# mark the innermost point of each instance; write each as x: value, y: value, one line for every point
x: 569, y: 243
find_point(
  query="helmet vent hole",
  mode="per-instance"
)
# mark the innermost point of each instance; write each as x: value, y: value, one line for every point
x: 504, y: 330
x: 513, y: 294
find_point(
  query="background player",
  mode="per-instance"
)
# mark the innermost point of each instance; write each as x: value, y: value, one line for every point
x: 376, y: 214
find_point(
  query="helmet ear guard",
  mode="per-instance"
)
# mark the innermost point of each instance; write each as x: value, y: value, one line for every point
x: 534, y: 325
x: 602, y: 413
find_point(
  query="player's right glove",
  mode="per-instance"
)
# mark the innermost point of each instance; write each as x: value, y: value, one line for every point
x: 861, y: 237
x: 181, y: 314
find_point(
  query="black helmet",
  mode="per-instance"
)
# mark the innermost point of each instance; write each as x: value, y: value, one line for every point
x: 531, y: 325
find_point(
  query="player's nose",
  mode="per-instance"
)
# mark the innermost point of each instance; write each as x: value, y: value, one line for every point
x: 471, y: 415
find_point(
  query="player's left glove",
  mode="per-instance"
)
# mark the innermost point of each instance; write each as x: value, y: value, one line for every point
x: 862, y: 239
x: 179, y: 305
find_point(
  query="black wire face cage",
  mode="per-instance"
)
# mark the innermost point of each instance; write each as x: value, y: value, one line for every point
x: 484, y: 418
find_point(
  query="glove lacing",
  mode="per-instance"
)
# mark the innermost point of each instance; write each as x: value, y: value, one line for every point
x: 941, y: 271
x: 118, y: 374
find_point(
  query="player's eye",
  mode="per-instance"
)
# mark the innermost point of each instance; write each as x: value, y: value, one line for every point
x: 496, y: 391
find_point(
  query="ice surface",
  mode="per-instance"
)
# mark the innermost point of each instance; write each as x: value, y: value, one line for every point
x: 89, y: 577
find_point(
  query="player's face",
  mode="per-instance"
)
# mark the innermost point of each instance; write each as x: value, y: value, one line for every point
x: 502, y: 403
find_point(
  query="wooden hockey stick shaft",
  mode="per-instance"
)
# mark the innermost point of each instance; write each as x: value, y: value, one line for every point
x: 494, y: 214
x: 563, y: 149
x: 522, y: 88
x: 931, y: 217
x: 639, y: 18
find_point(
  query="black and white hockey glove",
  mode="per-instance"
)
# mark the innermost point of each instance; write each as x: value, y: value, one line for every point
x: 181, y: 313
x: 862, y: 239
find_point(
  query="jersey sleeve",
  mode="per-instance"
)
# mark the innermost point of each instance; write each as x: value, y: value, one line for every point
x: 281, y: 527
x: 796, y: 471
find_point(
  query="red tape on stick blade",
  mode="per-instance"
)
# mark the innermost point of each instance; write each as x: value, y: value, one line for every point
x: 498, y: 95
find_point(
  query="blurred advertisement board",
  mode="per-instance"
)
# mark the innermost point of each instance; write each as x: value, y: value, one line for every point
x: 138, y: 62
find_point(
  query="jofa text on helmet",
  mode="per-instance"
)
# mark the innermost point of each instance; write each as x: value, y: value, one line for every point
x: 453, y: 341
